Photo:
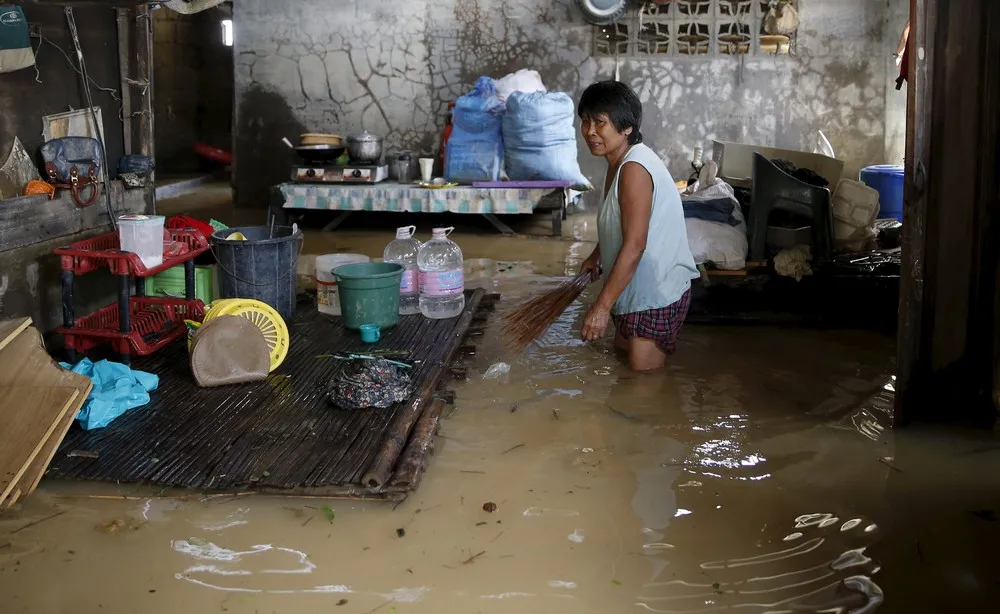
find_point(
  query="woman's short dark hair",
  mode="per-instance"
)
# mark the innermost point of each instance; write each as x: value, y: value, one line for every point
x: 618, y: 101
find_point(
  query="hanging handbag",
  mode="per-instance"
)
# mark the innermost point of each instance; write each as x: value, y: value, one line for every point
x: 134, y: 170
x: 75, y: 163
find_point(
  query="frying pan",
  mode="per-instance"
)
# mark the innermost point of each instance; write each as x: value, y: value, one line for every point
x: 319, y: 154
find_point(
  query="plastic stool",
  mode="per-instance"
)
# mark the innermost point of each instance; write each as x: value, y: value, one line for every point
x: 773, y: 189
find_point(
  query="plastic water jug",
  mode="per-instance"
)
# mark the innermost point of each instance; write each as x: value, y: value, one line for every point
x: 442, y: 276
x: 403, y: 250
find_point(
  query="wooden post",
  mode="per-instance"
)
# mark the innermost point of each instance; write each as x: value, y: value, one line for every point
x: 948, y: 298
x: 126, y: 17
x: 910, y: 348
x: 144, y: 74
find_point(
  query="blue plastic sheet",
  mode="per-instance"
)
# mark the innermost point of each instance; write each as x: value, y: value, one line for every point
x: 475, y: 147
x: 117, y: 389
x: 539, y: 135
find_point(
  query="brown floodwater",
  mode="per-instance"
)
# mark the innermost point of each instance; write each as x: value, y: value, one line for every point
x: 755, y: 474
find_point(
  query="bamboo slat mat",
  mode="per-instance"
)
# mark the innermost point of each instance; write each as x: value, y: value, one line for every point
x: 279, y: 436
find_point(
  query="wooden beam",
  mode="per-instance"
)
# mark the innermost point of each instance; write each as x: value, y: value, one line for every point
x: 948, y: 299
x: 144, y: 73
x: 126, y: 19
x: 910, y: 343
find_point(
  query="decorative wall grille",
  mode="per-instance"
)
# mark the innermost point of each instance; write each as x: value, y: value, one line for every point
x: 692, y: 29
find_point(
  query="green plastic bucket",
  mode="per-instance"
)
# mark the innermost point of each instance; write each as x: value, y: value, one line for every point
x: 369, y: 293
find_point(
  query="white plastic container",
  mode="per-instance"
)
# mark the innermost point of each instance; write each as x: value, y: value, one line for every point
x: 327, y: 294
x: 855, y: 209
x: 442, y: 276
x: 142, y: 235
x: 403, y: 250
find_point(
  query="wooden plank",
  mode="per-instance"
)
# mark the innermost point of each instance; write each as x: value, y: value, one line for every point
x: 34, y: 473
x: 28, y: 417
x: 27, y: 220
x: 9, y: 329
x: 24, y: 362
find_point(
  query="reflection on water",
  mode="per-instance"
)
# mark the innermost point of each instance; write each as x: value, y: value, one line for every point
x: 749, y: 476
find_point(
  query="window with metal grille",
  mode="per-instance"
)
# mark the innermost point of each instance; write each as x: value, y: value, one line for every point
x: 699, y: 28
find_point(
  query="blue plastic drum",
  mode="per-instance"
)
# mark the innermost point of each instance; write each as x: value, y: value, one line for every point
x: 887, y: 179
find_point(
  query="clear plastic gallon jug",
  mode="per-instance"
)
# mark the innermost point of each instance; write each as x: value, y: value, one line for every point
x: 442, y: 276
x: 403, y: 250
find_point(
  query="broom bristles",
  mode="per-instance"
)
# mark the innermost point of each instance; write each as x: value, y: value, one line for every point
x: 528, y: 321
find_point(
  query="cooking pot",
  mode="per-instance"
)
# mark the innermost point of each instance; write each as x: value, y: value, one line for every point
x: 364, y: 148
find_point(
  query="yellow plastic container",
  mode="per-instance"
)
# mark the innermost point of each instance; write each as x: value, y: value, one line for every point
x: 263, y: 317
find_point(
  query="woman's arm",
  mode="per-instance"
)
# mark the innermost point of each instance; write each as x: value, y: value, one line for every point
x: 635, y: 199
x: 592, y: 264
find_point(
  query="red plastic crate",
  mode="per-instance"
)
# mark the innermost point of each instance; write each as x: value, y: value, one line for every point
x: 155, y: 323
x: 105, y: 251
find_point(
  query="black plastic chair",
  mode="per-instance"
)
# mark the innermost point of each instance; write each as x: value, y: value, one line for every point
x: 773, y: 189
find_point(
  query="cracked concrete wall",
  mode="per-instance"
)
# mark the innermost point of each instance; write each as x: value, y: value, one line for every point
x: 392, y: 67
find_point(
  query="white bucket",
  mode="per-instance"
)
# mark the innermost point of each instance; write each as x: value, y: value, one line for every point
x: 327, y: 294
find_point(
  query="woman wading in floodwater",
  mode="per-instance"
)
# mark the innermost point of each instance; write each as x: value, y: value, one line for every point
x: 642, y: 241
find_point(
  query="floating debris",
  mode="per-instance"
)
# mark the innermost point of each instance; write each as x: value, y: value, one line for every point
x: 490, y: 507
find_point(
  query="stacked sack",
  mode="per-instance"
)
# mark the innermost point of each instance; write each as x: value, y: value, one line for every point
x: 475, y: 147
x: 517, y: 126
x: 539, y: 134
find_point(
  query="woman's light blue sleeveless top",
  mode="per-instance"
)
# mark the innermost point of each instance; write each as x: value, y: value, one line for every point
x: 667, y: 267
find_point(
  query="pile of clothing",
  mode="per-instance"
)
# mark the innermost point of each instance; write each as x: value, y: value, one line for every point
x: 717, y: 232
x: 370, y: 382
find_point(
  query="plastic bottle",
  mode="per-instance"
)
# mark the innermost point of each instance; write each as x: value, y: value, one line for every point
x: 442, y: 276
x: 403, y: 250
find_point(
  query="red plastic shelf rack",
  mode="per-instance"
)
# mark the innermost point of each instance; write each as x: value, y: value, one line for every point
x: 135, y: 325
x: 154, y: 322
x: 105, y: 251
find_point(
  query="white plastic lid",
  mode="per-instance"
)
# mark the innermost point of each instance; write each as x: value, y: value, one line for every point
x: 405, y: 232
x: 441, y: 233
x: 141, y: 219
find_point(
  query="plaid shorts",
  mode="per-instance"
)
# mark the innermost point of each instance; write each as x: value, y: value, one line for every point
x: 661, y: 325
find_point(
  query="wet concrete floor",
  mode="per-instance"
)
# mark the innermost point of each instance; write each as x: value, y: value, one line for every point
x: 751, y: 476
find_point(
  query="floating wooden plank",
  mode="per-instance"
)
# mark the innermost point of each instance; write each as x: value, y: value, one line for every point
x: 28, y: 417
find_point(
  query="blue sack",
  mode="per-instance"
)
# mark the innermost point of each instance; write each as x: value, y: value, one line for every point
x: 475, y: 147
x: 539, y: 135
x: 117, y: 389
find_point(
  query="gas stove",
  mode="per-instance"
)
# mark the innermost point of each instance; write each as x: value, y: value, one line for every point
x: 362, y: 173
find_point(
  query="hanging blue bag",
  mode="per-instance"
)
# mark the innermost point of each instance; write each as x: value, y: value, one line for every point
x: 15, y: 40
x: 475, y: 147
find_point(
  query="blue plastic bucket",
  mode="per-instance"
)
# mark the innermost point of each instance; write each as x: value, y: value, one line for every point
x: 887, y: 179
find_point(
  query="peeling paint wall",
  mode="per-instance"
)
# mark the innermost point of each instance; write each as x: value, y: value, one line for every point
x: 392, y: 67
